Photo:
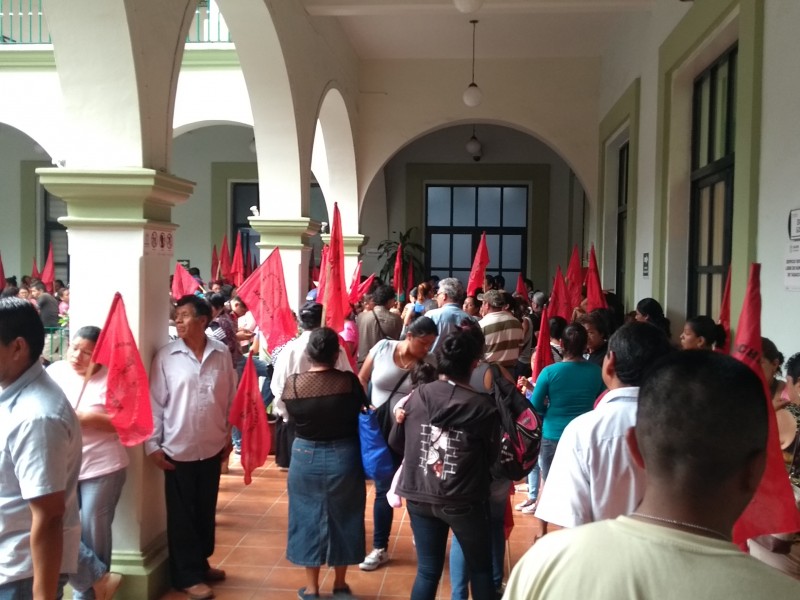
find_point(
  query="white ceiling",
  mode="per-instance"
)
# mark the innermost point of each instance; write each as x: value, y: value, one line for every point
x: 434, y: 29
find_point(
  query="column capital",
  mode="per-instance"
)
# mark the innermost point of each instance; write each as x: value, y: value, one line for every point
x: 352, y: 243
x: 131, y: 196
x: 284, y: 233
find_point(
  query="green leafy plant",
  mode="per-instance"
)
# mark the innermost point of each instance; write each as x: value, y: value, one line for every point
x: 413, y: 253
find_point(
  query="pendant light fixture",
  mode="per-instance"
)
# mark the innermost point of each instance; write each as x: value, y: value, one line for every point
x: 472, y: 95
x: 474, y: 147
x: 468, y: 6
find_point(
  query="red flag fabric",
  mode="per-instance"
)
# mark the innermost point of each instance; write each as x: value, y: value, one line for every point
x: 479, y: 264
x: 214, y: 264
x: 183, y: 284
x: 355, y: 283
x: 323, y: 273
x: 224, y: 260
x: 35, y: 271
x: 772, y: 509
x: 48, y: 274
x: 560, y: 304
x: 508, y: 519
x: 594, y: 290
x: 264, y: 293
x: 363, y: 288
x: 544, y: 355
x: 398, y: 274
x: 2, y: 274
x: 725, y: 315
x: 334, y: 297
x: 237, y: 266
x: 574, y: 280
x: 521, y: 289
x: 127, y: 390
x: 248, y: 415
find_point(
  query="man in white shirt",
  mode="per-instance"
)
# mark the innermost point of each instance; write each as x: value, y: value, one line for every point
x: 192, y: 385
x: 593, y: 475
x: 700, y: 435
x: 40, y: 458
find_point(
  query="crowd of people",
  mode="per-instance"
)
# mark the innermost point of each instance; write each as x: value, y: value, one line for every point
x: 632, y: 435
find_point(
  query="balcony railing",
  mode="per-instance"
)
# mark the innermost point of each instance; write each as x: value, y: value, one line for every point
x: 23, y: 22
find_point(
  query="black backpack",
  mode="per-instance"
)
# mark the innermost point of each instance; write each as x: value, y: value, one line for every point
x: 521, y: 430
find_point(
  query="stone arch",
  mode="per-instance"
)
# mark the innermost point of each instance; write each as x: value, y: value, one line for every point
x: 333, y: 159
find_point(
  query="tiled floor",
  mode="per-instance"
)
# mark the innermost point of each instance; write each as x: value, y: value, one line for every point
x: 251, y: 542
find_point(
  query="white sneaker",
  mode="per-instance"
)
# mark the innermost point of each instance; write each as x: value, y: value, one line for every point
x: 374, y: 559
x: 530, y: 509
x: 523, y: 505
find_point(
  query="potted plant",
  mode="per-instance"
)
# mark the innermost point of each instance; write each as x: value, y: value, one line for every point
x: 413, y: 254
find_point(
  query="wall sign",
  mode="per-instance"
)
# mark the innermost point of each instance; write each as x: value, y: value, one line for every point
x: 791, y: 267
x: 794, y: 224
x: 646, y: 264
x: 158, y: 243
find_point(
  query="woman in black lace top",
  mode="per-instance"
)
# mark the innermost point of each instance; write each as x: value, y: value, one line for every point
x: 326, y: 480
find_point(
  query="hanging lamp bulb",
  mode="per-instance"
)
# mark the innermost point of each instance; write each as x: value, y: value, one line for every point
x: 472, y: 96
x: 474, y: 147
x: 468, y: 6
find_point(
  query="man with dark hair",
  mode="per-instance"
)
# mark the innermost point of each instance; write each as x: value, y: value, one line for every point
x: 379, y: 323
x: 502, y: 330
x: 593, y: 475
x: 48, y: 311
x: 192, y: 385
x: 40, y: 459
x: 700, y: 435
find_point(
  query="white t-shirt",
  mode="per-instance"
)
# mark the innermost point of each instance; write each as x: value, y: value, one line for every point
x: 593, y: 475
x: 625, y: 558
x: 103, y: 453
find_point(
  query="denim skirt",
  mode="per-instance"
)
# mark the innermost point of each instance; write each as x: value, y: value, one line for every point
x: 327, y: 495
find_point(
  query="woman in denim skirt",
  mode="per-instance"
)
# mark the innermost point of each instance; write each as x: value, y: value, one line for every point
x: 326, y: 486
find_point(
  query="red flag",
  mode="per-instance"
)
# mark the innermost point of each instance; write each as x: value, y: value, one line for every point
x: 355, y: 284
x: 237, y: 266
x: 544, y: 355
x: 522, y: 289
x: 772, y: 509
x: 48, y: 274
x: 479, y: 264
x: 2, y: 274
x: 594, y: 290
x: 398, y: 274
x: 183, y: 284
x: 334, y: 295
x: 214, y: 264
x: 323, y: 273
x: 363, y: 288
x: 574, y: 280
x: 725, y: 315
x: 248, y: 415
x: 224, y: 261
x: 127, y: 390
x: 35, y: 271
x: 264, y: 293
x: 559, y: 301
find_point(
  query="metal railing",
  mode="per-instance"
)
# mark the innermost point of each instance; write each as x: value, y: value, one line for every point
x: 23, y: 22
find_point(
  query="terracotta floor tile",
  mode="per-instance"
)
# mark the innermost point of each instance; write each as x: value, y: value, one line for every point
x: 286, y: 578
x: 252, y: 556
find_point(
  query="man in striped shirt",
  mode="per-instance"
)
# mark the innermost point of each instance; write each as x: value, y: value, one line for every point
x: 502, y: 330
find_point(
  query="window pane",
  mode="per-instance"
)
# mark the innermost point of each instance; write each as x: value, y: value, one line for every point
x: 702, y: 294
x: 438, y: 206
x: 721, y: 110
x: 244, y: 196
x: 511, y: 280
x: 512, y: 252
x: 462, y: 275
x: 705, y: 104
x: 703, y: 227
x: 716, y: 295
x: 488, y: 206
x: 440, y: 250
x: 493, y: 246
x: 462, y: 251
x: 464, y: 206
x: 515, y: 204
x: 441, y: 274
x: 718, y: 224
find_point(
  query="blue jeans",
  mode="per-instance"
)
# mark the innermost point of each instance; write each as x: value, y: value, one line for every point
x: 22, y: 589
x: 97, y: 498
x: 382, y: 514
x: 533, y: 482
x: 431, y: 525
x: 262, y: 370
x: 459, y: 574
x: 546, y: 453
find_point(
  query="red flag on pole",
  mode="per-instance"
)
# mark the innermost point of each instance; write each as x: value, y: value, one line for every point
x: 574, y: 280
x: 355, y: 283
x: 772, y: 509
x: 594, y: 290
x: 2, y: 274
x: 214, y: 264
x: 544, y: 355
x: 559, y: 300
x: 334, y: 296
x: 237, y: 266
x: 521, y: 289
x: 363, y: 288
x: 183, y: 284
x: 323, y: 273
x: 248, y: 415
x: 264, y: 293
x: 478, y: 273
x: 48, y: 274
x: 725, y: 315
x: 398, y: 274
x: 127, y: 390
x: 35, y: 271
x: 224, y: 261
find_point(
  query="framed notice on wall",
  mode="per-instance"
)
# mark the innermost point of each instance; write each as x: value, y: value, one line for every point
x: 791, y: 267
x: 794, y: 224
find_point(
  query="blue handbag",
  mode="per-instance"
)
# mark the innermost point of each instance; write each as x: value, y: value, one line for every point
x: 375, y: 454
